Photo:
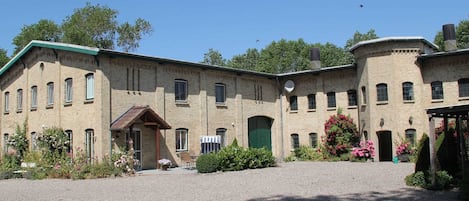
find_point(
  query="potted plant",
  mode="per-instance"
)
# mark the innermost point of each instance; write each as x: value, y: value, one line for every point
x: 403, y: 151
x: 164, y: 163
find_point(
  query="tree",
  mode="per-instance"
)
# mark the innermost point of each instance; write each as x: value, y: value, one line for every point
x: 462, y: 36
x: 93, y: 25
x: 45, y: 30
x: 213, y: 57
x: 3, y: 57
x: 284, y: 56
x: 248, y: 61
x: 358, y: 37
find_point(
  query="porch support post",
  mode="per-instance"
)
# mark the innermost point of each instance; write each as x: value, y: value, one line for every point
x: 432, y: 148
x: 157, y: 147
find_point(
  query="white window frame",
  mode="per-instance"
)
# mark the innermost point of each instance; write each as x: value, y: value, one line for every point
x: 19, y: 98
x: 222, y: 133
x: 34, y: 97
x: 50, y: 94
x: 89, y: 87
x: 68, y: 92
x: 89, y: 144
x: 182, y: 145
x: 7, y: 102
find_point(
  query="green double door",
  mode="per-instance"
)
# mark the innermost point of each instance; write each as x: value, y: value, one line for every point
x: 260, y: 134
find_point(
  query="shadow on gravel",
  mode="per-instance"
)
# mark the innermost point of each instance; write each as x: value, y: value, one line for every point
x: 402, y: 194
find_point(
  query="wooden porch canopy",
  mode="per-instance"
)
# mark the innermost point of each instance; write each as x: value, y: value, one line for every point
x: 144, y: 113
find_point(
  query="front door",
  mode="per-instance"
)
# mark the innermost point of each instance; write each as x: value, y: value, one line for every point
x: 385, y: 145
x: 136, y: 137
x: 260, y: 132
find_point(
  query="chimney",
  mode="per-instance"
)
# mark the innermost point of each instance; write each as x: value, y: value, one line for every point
x: 314, y: 56
x: 449, y: 37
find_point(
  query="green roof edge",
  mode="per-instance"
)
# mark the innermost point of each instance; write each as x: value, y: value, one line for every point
x: 52, y: 45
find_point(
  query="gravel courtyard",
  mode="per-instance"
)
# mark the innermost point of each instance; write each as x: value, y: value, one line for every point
x: 288, y: 181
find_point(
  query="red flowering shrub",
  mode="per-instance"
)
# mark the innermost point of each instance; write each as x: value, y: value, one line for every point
x: 341, y: 134
x: 365, y: 151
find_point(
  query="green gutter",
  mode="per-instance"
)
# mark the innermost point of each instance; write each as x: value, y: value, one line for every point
x: 51, y: 45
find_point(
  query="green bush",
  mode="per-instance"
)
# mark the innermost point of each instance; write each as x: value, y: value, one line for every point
x: 258, y: 158
x: 207, y: 163
x: 423, y: 154
x: 231, y: 158
x: 423, y: 179
x: 306, y: 153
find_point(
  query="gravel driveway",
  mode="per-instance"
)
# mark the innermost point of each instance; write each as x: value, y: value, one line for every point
x: 288, y: 181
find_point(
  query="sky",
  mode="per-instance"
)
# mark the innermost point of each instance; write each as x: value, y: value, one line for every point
x: 186, y: 29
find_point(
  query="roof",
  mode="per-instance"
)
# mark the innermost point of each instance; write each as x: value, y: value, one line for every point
x: 392, y: 39
x: 449, y: 110
x: 144, y: 113
x: 319, y: 70
x: 443, y: 54
x: 52, y: 45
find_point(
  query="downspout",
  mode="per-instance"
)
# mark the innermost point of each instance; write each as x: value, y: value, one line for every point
x: 280, y: 92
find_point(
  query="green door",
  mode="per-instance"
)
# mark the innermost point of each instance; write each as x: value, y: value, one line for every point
x: 259, y: 132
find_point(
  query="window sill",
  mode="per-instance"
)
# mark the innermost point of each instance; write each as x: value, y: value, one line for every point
x: 182, y: 103
x: 293, y: 111
x: 19, y: 111
x: 7, y: 112
x: 67, y: 104
x: 437, y: 100
x: 33, y: 109
x: 463, y: 98
x: 221, y: 105
x: 181, y: 150
x: 49, y: 106
x: 331, y: 108
x: 382, y: 103
x: 311, y: 110
x: 409, y: 101
x: 89, y: 101
x: 352, y: 107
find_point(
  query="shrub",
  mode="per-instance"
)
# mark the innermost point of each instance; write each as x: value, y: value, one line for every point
x: 207, y: 163
x: 19, y: 142
x: 305, y: 153
x: 423, y: 154
x: 416, y: 179
x: 341, y: 134
x: 423, y: 179
x: 258, y: 158
x: 365, y: 151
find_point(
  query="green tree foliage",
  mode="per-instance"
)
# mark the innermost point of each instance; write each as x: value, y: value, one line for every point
x: 248, y: 61
x: 462, y: 36
x: 45, y: 30
x: 92, y: 25
x: 3, y: 57
x: 358, y: 37
x: 284, y: 56
x: 213, y: 57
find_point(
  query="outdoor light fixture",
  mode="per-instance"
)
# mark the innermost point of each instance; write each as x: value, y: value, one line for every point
x: 411, y: 120
x: 381, y: 122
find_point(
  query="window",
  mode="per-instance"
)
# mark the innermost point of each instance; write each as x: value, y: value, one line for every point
x: 352, y: 97
x: 312, y: 101
x: 34, y: 97
x: 7, y: 102
x: 293, y: 103
x: 19, y: 104
x: 68, y: 90
x: 437, y: 90
x: 410, y: 136
x: 313, y: 140
x: 220, y: 94
x: 331, y: 100
x: 69, y: 134
x: 89, y: 144
x: 5, y: 143
x: 408, y: 91
x: 222, y: 133
x: 295, y: 141
x: 50, y: 94
x: 382, y: 92
x: 181, y: 139
x: 463, y: 87
x: 363, y: 95
x: 89, y: 86
x: 33, y: 140
x: 180, y: 90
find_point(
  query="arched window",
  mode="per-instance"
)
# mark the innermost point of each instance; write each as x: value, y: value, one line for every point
x: 408, y: 91
x: 220, y: 93
x: 6, y: 105
x: 352, y: 97
x: 180, y: 90
x: 89, y: 86
x: 312, y: 101
x: 89, y: 144
x: 382, y: 92
x: 313, y: 140
x: 19, y: 104
x: 33, y: 140
x: 295, y: 141
x: 50, y: 94
x: 34, y: 97
x: 69, y: 134
x: 410, y: 136
x: 222, y: 133
x: 363, y: 95
x: 68, y: 90
x: 182, y: 139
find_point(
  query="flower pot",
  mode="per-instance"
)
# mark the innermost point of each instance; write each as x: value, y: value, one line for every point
x: 164, y: 167
x: 404, y: 158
